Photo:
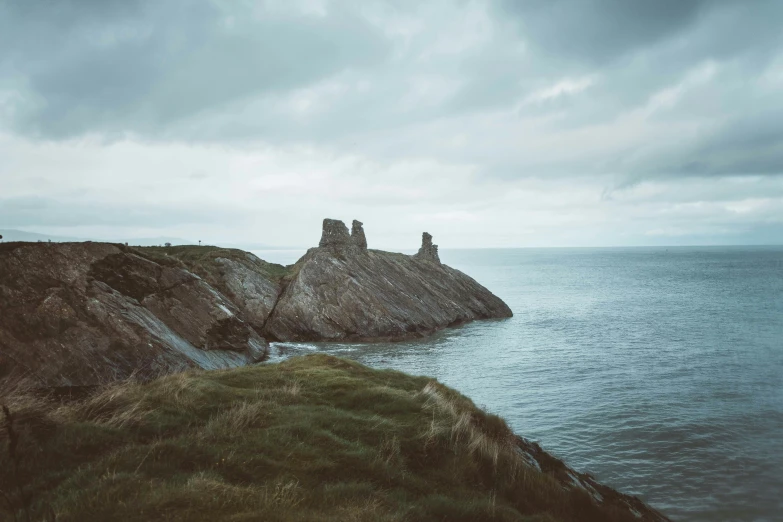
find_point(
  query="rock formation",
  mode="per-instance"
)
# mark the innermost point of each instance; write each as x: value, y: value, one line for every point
x: 85, y: 313
x: 339, y: 292
x: 357, y: 235
x: 334, y: 235
x: 428, y: 251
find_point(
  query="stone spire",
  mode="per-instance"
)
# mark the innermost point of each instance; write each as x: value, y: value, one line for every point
x: 335, y: 234
x: 357, y: 235
x: 428, y: 251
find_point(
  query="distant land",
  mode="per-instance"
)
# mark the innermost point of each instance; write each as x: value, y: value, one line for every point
x: 21, y: 235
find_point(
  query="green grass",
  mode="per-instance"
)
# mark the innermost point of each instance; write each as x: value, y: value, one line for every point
x: 201, y: 259
x: 313, y: 438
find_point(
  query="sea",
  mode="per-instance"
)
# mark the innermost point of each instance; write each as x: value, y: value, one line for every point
x: 658, y: 370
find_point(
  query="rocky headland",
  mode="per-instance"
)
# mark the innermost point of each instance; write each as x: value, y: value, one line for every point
x: 343, y: 291
x: 76, y: 314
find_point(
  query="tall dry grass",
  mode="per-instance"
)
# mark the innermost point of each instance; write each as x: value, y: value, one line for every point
x: 480, y: 433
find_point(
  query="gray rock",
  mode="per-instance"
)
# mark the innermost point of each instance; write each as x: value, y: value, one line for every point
x: 348, y: 294
x: 357, y: 235
x: 334, y: 235
x: 428, y: 251
x: 244, y: 283
x: 86, y: 313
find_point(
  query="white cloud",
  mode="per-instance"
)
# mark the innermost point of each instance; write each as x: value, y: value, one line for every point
x: 566, y: 86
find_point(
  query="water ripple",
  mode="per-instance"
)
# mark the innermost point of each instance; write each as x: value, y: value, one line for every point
x: 659, y: 371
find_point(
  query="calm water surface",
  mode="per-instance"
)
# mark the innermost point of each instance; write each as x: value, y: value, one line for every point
x: 658, y: 370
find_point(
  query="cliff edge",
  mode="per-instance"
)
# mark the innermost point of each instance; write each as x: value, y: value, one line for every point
x: 343, y: 291
x: 75, y: 314
x: 313, y: 438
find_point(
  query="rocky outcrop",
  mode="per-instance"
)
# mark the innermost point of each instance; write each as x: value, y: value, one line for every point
x: 250, y: 283
x: 254, y: 294
x: 357, y: 235
x: 84, y: 313
x: 428, y: 251
x: 340, y: 292
x: 334, y: 235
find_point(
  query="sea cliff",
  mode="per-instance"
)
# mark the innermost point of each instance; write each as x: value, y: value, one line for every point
x: 342, y: 291
x: 76, y: 314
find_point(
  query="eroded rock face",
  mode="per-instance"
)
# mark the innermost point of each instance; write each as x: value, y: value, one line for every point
x: 360, y: 295
x: 243, y: 282
x: 334, y: 235
x: 357, y: 235
x: 428, y: 251
x: 85, y: 313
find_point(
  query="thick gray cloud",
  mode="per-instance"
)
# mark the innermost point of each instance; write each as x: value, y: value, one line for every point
x: 141, y: 66
x: 592, y: 106
x: 598, y: 32
x: 601, y: 30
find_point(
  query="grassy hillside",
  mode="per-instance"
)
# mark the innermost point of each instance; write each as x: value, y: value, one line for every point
x: 201, y: 259
x: 313, y: 438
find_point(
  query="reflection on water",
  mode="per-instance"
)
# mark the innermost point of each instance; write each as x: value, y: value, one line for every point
x: 658, y: 370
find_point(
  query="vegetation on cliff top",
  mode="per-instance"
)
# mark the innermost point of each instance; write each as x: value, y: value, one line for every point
x: 201, y: 259
x: 312, y: 438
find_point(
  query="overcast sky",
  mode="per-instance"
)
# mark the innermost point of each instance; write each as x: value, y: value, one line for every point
x: 488, y: 124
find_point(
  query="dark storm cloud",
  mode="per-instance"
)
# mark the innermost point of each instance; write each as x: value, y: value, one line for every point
x: 226, y: 72
x: 140, y: 66
x: 641, y: 48
x: 600, y: 30
x: 597, y: 32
